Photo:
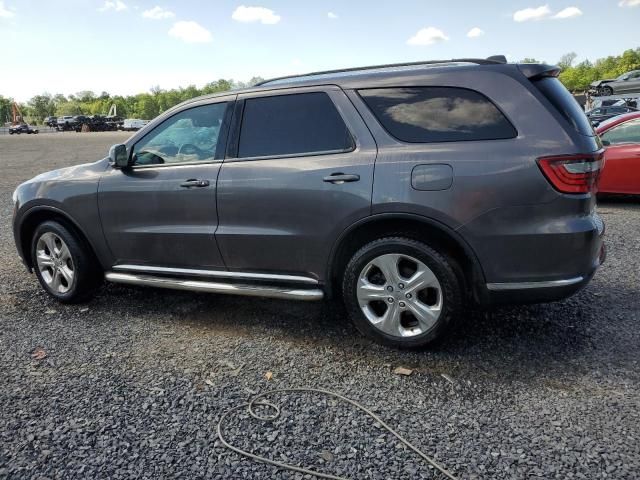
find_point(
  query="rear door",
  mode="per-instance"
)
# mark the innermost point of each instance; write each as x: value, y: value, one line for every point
x: 299, y: 171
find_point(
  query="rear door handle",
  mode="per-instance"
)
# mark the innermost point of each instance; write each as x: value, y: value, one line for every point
x: 193, y: 182
x: 340, y: 178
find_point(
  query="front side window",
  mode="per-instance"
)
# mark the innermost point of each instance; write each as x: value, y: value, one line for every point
x: 437, y: 114
x: 628, y: 132
x: 189, y: 136
x: 295, y: 124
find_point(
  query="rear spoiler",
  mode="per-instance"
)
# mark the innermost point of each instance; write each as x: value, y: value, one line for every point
x: 535, y: 71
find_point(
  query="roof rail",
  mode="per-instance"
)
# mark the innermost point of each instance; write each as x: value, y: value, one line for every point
x: 493, y: 60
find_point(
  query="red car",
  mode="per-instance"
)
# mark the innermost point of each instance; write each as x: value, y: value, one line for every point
x: 621, y: 137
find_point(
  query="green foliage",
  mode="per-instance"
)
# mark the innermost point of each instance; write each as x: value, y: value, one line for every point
x: 143, y: 105
x: 577, y: 78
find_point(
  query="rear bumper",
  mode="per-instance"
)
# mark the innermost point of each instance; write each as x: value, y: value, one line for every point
x: 544, y: 290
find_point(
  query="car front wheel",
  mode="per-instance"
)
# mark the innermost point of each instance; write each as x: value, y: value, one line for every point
x: 64, y: 265
x: 606, y: 91
x: 401, y: 292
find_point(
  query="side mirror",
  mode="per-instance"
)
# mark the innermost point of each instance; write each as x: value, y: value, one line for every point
x: 118, y: 156
x: 606, y: 143
x: 625, y: 78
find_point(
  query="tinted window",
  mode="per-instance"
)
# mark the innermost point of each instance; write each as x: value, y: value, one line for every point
x: 437, y: 114
x: 292, y: 124
x: 565, y: 104
x: 628, y: 132
x: 189, y: 136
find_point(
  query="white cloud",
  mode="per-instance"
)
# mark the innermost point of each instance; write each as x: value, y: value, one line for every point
x: 629, y: 3
x: 569, y: 12
x: 116, y: 5
x: 5, y: 12
x: 537, y: 13
x: 255, y: 14
x: 158, y: 13
x: 332, y: 15
x: 427, y: 36
x: 475, y: 32
x: 190, y: 32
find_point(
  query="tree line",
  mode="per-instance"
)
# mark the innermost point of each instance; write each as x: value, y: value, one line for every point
x: 148, y: 105
x: 143, y: 105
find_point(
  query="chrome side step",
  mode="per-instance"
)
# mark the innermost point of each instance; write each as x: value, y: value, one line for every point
x: 216, y: 287
x: 246, y: 276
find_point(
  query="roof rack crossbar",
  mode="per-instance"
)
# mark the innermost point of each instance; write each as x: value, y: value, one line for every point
x: 493, y: 60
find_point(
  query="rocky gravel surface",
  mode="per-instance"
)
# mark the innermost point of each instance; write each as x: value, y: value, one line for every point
x: 133, y: 383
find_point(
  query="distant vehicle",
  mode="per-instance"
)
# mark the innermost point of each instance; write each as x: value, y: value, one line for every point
x: 627, y: 82
x: 22, y: 128
x: 51, y: 121
x: 600, y: 114
x: 621, y: 138
x: 133, y: 124
x: 65, y: 123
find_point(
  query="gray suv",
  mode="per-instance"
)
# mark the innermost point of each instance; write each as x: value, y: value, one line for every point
x: 407, y: 190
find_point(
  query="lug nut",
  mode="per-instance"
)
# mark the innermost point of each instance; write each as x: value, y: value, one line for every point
x: 401, y: 304
x: 390, y: 299
x: 408, y: 295
x: 401, y: 286
x: 390, y: 288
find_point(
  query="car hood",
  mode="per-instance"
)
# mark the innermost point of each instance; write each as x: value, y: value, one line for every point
x: 597, y: 83
x: 77, y: 172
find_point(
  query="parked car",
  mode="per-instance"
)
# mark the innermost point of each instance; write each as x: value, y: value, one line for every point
x: 133, y: 124
x: 22, y: 128
x: 406, y: 190
x: 51, y: 121
x: 621, y: 137
x: 600, y: 114
x: 66, y: 122
x: 625, y: 83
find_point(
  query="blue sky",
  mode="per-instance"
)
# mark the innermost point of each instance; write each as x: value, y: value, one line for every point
x: 128, y: 46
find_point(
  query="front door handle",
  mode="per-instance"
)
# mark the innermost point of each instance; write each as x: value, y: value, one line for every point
x: 193, y: 182
x: 340, y: 178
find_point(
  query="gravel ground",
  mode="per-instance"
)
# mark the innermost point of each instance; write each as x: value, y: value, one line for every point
x: 134, y: 382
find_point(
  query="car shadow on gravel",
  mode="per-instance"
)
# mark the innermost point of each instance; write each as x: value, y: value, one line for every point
x: 524, y: 341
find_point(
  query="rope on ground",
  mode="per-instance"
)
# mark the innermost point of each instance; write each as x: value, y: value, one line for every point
x: 258, y: 400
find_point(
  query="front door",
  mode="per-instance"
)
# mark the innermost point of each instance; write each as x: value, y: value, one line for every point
x: 299, y: 173
x: 161, y: 211
x: 621, y: 173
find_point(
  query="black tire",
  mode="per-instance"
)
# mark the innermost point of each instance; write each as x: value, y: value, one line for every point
x: 87, y: 273
x: 607, y: 91
x: 442, y: 267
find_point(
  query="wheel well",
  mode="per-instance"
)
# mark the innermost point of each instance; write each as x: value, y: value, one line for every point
x: 433, y: 235
x: 29, y: 225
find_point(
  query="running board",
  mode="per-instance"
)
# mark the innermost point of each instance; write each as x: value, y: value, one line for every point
x: 216, y: 287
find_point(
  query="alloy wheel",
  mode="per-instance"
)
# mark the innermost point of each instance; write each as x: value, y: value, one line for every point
x: 54, y: 262
x: 399, y: 295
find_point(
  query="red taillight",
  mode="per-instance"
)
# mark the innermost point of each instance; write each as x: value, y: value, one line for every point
x: 573, y: 173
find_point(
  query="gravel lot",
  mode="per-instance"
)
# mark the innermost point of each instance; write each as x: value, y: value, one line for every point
x: 134, y: 382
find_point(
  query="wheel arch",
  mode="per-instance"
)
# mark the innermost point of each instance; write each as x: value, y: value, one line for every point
x: 430, y: 231
x: 43, y: 213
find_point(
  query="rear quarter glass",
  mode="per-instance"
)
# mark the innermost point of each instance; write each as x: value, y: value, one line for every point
x: 565, y: 104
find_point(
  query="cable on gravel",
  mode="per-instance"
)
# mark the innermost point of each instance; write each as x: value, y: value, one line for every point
x: 258, y: 400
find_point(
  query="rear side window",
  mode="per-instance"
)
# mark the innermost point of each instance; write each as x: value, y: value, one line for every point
x: 437, y: 114
x: 302, y: 123
x: 628, y: 132
x: 565, y: 104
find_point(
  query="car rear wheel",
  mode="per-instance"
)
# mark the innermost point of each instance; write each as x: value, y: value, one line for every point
x: 401, y: 292
x: 64, y: 265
